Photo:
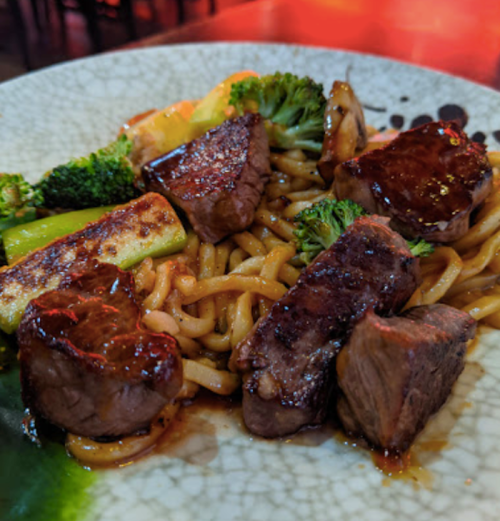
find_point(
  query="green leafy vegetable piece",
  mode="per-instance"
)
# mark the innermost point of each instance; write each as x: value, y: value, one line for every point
x: 420, y: 247
x: 322, y: 224
x: 293, y: 108
x: 103, y: 178
x: 15, y: 195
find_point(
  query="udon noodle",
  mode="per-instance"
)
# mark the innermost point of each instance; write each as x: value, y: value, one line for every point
x: 210, y: 296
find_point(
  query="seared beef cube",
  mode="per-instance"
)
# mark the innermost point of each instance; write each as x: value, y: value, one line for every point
x: 427, y: 180
x: 217, y: 179
x: 394, y: 373
x: 288, y: 359
x: 86, y: 365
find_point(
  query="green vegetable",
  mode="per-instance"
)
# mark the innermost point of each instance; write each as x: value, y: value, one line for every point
x: 420, y: 248
x: 17, y: 198
x: 145, y: 227
x: 37, y: 483
x: 293, y: 108
x: 16, y: 195
x: 103, y: 178
x: 21, y: 240
x: 322, y: 224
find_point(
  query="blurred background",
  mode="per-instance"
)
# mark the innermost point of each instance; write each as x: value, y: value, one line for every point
x: 38, y: 33
x: 461, y: 37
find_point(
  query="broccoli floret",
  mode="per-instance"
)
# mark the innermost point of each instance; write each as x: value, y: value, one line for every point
x: 17, y: 201
x: 103, y: 178
x: 322, y: 224
x: 293, y: 108
x: 16, y: 194
x: 420, y: 248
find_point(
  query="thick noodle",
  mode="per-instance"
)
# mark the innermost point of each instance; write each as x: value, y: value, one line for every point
x: 210, y: 297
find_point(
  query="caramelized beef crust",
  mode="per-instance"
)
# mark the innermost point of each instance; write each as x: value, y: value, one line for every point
x: 427, y: 180
x: 288, y: 359
x: 86, y: 364
x: 217, y: 179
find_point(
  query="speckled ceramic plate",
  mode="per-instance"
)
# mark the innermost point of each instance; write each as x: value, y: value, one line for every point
x: 212, y: 469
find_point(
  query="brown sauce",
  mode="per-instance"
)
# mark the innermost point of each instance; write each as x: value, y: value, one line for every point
x: 429, y: 446
x: 310, y: 436
x: 405, y: 467
x: 192, y: 437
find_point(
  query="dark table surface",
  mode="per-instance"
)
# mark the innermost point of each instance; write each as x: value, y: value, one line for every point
x: 461, y: 37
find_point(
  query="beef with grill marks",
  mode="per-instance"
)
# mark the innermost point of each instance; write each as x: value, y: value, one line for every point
x: 217, y: 179
x: 86, y: 364
x: 427, y: 180
x: 394, y: 373
x: 288, y: 359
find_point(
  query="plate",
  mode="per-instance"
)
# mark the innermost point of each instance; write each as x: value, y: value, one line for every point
x: 213, y: 469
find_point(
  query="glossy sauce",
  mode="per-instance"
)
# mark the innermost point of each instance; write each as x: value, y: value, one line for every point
x: 192, y: 437
x: 424, y: 179
x: 406, y: 467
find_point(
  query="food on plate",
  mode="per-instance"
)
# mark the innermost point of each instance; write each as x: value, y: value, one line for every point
x: 87, y: 365
x: 233, y: 293
x: 24, y: 238
x: 158, y: 131
x: 320, y: 225
x: 217, y: 179
x: 124, y: 236
x: 395, y: 372
x: 103, y: 178
x: 345, y: 129
x: 427, y: 180
x: 17, y: 201
x: 288, y: 360
x: 214, y: 108
x: 292, y: 107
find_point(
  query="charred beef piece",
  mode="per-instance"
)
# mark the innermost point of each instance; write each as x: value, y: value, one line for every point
x: 86, y: 365
x: 394, y: 373
x: 217, y: 179
x: 345, y: 130
x: 427, y: 180
x: 288, y: 359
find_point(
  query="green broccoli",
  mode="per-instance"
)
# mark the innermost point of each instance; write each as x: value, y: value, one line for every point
x: 16, y: 196
x: 103, y: 178
x: 17, y: 201
x: 420, y: 248
x: 320, y: 225
x: 293, y: 108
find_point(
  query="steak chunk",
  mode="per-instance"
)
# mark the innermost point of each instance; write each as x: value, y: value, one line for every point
x: 394, y: 373
x: 288, y: 360
x: 427, y: 180
x: 218, y: 179
x: 86, y: 365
